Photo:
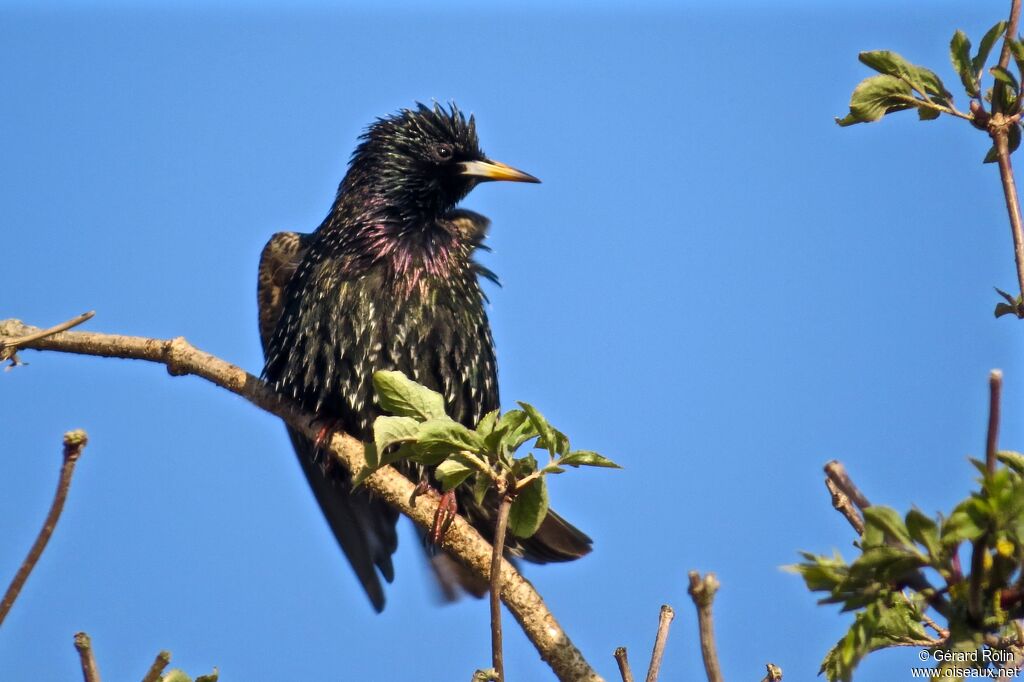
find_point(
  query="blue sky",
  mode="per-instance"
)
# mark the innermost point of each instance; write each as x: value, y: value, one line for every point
x: 715, y: 286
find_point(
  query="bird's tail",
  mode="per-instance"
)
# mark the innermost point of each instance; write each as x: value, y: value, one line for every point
x: 556, y: 540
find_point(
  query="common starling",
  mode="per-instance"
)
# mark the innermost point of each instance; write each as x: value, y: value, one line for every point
x: 388, y: 281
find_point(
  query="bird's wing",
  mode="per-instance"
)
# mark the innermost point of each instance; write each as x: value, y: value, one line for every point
x: 278, y: 262
x: 364, y: 527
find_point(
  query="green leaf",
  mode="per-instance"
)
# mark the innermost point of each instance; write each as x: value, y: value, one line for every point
x: 878, y: 626
x: 877, y: 96
x: 1017, y: 50
x: 454, y: 434
x: 588, y: 458
x: 821, y: 573
x: 514, y: 428
x: 175, y: 675
x: 487, y: 423
x: 524, y: 466
x: 481, y: 484
x: 1013, y: 305
x: 889, y: 522
x: 559, y: 447
x: 212, y: 677
x: 452, y: 472
x: 924, y: 80
x: 529, y: 508
x: 960, y: 55
x: 978, y: 63
x: 439, y: 438
x: 400, y: 395
x: 924, y: 530
x: 541, y: 426
x: 968, y: 522
x: 389, y: 431
x: 1014, y: 460
x: 1004, y: 76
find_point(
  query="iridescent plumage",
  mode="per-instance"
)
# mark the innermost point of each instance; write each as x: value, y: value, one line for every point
x: 388, y: 281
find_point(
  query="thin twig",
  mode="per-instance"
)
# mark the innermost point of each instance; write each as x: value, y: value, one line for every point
x: 702, y: 591
x: 162, y: 660
x: 498, y: 549
x: 664, y: 621
x: 90, y: 671
x: 74, y: 442
x: 10, y: 345
x: 1011, y: 32
x: 999, y: 131
x: 461, y: 540
x: 842, y: 504
x: 995, y: 389
x: 774, y: 673
x: 1000, y: 136
x: 980, y: 546
x: 837, y: 472
x: 623, y: 661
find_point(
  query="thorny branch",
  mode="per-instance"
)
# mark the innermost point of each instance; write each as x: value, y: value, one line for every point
x: 461, y: 541
x: 74, y: 443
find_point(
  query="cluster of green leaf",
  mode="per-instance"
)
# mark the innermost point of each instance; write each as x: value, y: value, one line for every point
x: 418, y: 430
x: 901, y: 85
x: 911, y: 565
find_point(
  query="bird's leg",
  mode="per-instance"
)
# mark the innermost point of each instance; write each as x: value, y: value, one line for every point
x: 422, y: 487
x: 447, y: 508
x: 326, y: 430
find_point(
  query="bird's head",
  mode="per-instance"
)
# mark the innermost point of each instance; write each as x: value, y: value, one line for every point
x: 423, y: 161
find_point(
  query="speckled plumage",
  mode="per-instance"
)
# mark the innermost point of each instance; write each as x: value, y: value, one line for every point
x: 388, y: 281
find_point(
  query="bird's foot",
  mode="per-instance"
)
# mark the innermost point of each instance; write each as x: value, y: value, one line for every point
x: 324, y: 433
x: 447, y: 508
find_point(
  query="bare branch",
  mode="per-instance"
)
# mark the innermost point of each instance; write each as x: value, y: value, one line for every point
x: 995, y: 389
x: 842, y: 504
x: 623, y: 661
x: 837, y: 472
x: 74, y: 442
x: 702, y: 591
x: 8, y: 347
x: 497, y: 551
x: 90, y: 672
x: 664, y: 621
x: 1011, y: 32
x: 461, y: 540
x: 162, y: 660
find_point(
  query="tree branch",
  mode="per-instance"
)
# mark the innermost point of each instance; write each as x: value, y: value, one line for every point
x: 702, y: 591
x: 844, y: 493
x: 664, y: 621
x: 623, y: 662
x: 995, y: 390
x: 74, y: 443
x: 90, y: 672
x: 162, y: 660
x: 461, y: 541
x: 497, y: 551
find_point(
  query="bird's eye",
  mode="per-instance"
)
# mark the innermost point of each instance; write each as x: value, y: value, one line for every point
x: 444, y: 152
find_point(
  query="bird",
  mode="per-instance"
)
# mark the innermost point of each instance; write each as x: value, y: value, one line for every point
x: 389, y: 281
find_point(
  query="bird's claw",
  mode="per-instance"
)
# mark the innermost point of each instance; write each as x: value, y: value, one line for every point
x: 447, y: 508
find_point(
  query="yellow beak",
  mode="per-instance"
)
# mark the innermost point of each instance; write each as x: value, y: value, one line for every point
x: 495, y: 170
